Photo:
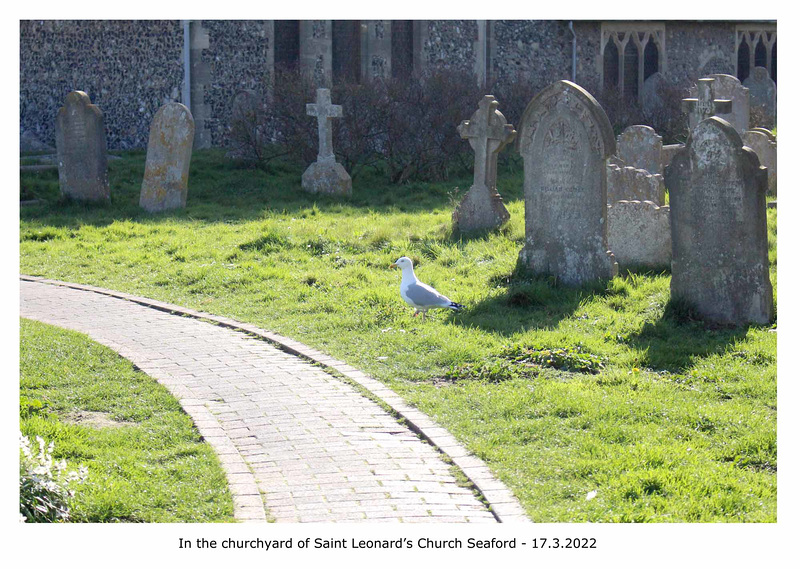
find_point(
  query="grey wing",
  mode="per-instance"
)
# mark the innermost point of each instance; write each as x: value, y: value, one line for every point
x: 423, y: 295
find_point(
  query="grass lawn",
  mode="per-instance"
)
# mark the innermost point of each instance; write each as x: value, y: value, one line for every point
x: 146, y: 461
x: 561, y: 391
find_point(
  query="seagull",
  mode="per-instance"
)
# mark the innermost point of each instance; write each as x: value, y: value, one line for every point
x: 419, y: 295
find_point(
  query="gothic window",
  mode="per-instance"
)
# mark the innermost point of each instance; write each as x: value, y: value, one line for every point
x: 650, y: 59
x: 756, y: 46
x: 774, y: 67
x: 631, y: 52
x: 611, y: 67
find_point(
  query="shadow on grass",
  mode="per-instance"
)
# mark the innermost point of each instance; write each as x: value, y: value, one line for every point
x: 529, y: 302
x: 676, y: 340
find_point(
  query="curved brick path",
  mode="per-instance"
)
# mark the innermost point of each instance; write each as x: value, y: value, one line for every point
x: 291, y: 437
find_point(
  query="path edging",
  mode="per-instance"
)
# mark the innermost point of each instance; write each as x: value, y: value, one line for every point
x: 504, y: 506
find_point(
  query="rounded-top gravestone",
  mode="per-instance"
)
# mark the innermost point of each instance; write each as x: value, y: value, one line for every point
x: 81, y: 149
x: 169, y: 151
x: 565, y: 139
x: 763, y: 94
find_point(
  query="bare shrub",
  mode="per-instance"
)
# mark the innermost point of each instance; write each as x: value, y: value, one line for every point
x: 407, y: 126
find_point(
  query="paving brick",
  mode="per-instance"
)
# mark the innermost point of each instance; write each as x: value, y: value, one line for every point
x: 317, y: 449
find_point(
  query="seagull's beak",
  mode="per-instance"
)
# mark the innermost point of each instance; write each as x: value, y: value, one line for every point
x: 393, y: 266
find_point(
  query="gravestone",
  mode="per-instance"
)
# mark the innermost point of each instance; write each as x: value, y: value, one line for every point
x: 245, y: 106
x: 720, y: 263
x: 247, y: 126
x: 767, y: 133
x: 628, y: 183
x: 763, y: 94
x: 668, y: 152
x: 81, y: 149
x: 654, y: 92
x: 487, y: 131
x: 705, y: 104
x: 767, y: 152
x: 729, y: 87
x: 565, y: 139
x: 639, y: 234
x: 640, y: 147
x: 169, y: 151
x: 326, y: 175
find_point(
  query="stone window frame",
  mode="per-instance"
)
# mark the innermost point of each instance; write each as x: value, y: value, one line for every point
x: 640, y: 32
x: 751, y: 34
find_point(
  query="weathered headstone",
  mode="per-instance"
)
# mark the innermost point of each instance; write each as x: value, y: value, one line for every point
x: 169, y: 151
x: 729, y: 87
x: 639, y: 234
x: 565, y: 139
x: 705, y: 104
x: 244, y: 106
x: 720, y: 263
x: 640, y: 147
x: 766, y: 132
x: 326, y: 175
x: 81, y: 149
x: 763, y: 94
x: 668, y: 152
x: 654, y: 92
x: 487, y: 131
x: 628, y: 183
x: 767, y: 152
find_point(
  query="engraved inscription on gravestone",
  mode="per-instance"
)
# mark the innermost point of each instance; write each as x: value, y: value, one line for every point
x: 565, y: 139
x: 81, y: 149
x: 720, y: 262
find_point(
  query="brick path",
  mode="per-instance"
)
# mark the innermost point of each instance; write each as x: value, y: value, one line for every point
x: 293, y: 439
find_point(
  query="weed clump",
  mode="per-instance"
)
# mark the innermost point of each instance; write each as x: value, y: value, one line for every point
x: 574, y: 359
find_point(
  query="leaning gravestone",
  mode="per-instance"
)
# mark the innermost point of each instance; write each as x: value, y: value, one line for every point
x: 767, y: 151
x: 720, y: 263
x: 640, y: 147
x: 565, y: 139
x: 763, y: 93
x: 639, y: 234
x: 169, y: 151
x: 81, y: 149
x: 728, y: 87
x: 326, y: 175
x: 706, y: 104
x: 487, y: 131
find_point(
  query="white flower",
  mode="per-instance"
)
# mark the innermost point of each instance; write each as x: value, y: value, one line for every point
x: 591, y: 495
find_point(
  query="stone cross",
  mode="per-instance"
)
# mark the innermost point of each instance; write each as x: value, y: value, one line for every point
x: 487, y: 133
x: 324, y: 111
x: 705, y: 105
x: 326, y: 175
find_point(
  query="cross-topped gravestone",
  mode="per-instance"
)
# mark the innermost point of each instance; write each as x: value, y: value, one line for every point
x: 81, y: 147
x: 720, y: 256
x: 705, y: 105
x: 324, y: 110
x: 326, y: 175
x: 487, y: 132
